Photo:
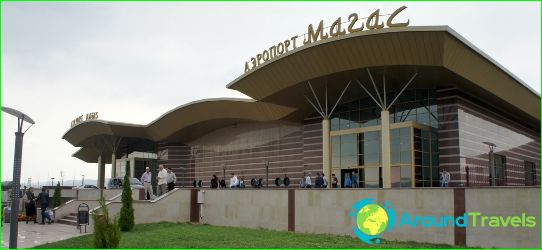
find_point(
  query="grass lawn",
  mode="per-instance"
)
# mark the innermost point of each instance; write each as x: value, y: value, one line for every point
x: 170, y: 235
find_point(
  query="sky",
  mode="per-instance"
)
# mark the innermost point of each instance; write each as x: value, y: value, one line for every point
x: 132, y: 62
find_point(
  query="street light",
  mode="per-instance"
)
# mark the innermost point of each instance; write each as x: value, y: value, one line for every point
x: 15, y: 186
x: 491, y: 161
x: 266, y: 174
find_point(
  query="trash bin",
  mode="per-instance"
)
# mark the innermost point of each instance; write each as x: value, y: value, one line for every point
x: 83, y: 216
x: 7, y: 214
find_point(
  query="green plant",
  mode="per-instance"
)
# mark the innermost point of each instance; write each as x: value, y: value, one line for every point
x: 106, y: 230
x: 56, y: 195
x: 126, y: 220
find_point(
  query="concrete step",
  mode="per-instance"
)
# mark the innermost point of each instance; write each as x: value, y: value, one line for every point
x: 71, y: 217
x: 67, y: 222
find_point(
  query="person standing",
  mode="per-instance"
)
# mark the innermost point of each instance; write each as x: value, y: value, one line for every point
x: 161, y: 177
x: 43, y: 199
x: 171, y: 178
x: 234, y: 182
x: 146, y: 179
x: 308, y: 182
x: 214, y: 182
x: 319, y: 182
x: 30, y: 205
x: 334, y: 181
x: 324, y: 181
x: 355, y: 182
x: 347, y: 181
x: 444, y: 178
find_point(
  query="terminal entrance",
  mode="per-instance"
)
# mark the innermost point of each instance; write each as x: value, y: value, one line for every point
x: 369, y: 177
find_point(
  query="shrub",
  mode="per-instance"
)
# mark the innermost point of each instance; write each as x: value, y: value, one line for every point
x: 56, y: 195
x: 126, y: 220
x: 106, y: 231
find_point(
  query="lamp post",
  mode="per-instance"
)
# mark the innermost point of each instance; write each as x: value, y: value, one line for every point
x: 266, y: 174
x: 224, y: 172
x: 491, y: 161
x: 21, y: 118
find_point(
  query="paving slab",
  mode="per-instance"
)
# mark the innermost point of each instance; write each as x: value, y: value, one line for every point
x: 30, y: 235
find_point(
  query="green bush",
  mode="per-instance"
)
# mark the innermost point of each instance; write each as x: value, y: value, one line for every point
x: 56, y: 195
x: 126, y: 220
x: 106, y: 231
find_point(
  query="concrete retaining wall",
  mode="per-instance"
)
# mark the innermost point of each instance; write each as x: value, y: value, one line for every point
x: 172, y: 207
x: 246, y: 208
x: 504, y: 202
x: 326, y: 211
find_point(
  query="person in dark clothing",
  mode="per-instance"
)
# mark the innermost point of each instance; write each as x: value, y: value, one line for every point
x: 334, y: 181
x: 43, y: 199
x: 30, y: 205
x: 214, y: 182
x: 319, y: 182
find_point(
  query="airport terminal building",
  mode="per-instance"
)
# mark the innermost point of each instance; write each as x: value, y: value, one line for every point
x: 393, y: 105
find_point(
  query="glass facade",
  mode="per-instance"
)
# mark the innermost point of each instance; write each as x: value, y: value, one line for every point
x: 500, y: 169
x: 417, y: 105
x: 530, y: 173
x: 357, y: 155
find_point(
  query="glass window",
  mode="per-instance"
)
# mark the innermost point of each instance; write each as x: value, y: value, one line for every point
x: 530, y: 173
x: 335, y: 151
x: 500, y: 169
x: 405, y: 143
x: 395, y: 177
x: 335, y: 123
x: 344, y: 122
x: 354, y: 119
x: 405, y: 157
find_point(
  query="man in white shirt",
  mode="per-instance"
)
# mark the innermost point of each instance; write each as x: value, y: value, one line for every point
x: 146, y: 179
x: 308, y: 182
x: 171, y: 178
x: 162, y: 180
x: 234, y: 183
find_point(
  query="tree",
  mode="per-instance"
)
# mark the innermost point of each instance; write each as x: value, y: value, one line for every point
x: 56, y: 195
x: 106, y: 231
x: 126, y: 220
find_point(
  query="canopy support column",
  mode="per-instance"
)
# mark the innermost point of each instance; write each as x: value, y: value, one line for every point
x: 101, y: 174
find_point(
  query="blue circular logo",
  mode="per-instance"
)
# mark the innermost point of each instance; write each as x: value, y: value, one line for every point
x: 371, y: 220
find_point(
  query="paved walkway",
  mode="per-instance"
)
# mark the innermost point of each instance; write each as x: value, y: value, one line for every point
x: 35, y: 234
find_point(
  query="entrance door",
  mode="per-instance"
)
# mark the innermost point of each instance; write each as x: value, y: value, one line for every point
x: 346, y: 174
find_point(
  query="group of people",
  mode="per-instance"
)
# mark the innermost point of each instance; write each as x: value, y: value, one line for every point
x: 165, y: 179
x: 30, y: 200
x: 320, y: 181
x: 235, y: 182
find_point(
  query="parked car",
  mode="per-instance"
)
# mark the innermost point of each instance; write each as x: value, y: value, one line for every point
x: 116, y: 182
x: 86, y: 187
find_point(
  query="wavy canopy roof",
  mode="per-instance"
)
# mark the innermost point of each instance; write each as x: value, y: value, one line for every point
x: 183, y: 124
x: 438, y: 54
x: 449, y: 59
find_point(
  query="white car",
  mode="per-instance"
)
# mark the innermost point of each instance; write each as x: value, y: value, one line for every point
x: 115, y: 183
x: 86, y: 187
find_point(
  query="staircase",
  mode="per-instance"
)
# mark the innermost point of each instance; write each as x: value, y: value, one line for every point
x: 71, y: 220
